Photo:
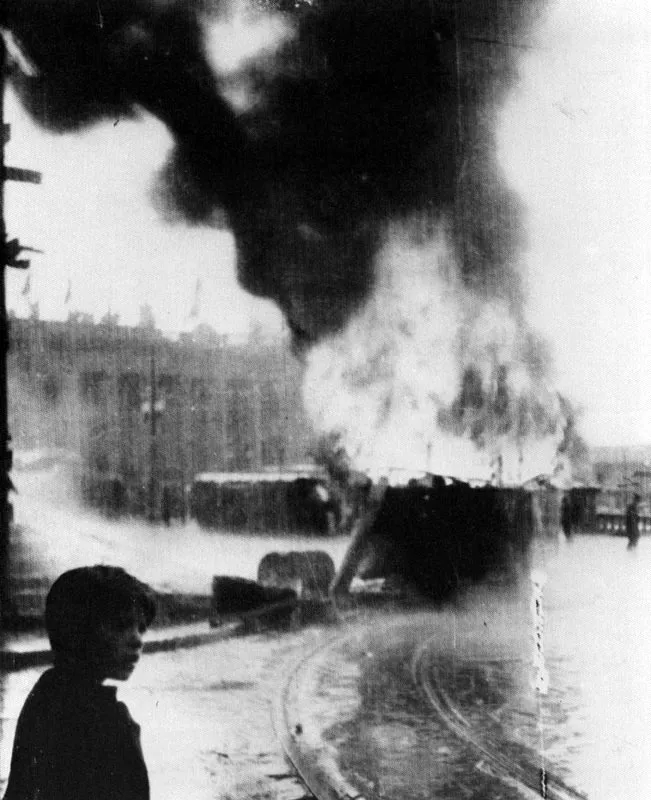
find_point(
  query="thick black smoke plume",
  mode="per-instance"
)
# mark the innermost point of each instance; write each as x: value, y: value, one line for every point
x: 372, y: 110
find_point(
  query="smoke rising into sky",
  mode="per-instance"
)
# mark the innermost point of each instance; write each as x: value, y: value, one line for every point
x: 566, y: 229
x: 357, y: 114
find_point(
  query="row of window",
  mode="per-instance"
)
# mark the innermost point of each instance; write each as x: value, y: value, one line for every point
x: 134, y: 389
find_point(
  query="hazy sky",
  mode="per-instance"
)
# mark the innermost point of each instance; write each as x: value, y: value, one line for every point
x: 575, y: 143
x: 101, y: 235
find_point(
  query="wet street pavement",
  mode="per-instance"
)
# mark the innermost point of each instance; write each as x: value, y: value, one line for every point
x: 389, y: 740
x: 499, y: 696
x: 420, y: 703
x: 398, y: 742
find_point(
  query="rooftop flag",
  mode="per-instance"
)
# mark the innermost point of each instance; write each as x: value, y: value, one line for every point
x: 196, y: 304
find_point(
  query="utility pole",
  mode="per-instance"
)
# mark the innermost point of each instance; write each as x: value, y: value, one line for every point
x: 9, y: 252
x: 152, y: 442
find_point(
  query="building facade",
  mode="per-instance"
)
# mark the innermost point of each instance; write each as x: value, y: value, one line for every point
x: 141, y: 414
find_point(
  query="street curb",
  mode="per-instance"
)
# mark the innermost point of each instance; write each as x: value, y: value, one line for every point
x: 161, y: 641
x: 15, y: 660
x: 302, y: 742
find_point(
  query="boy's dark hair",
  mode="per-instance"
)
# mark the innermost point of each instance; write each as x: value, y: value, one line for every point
x: 82, y: 599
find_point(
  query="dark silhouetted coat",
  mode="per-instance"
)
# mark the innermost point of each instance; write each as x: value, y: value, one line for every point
x: 75, y: 741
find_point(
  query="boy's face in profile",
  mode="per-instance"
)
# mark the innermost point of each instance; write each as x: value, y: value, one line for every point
x: 118, y: 646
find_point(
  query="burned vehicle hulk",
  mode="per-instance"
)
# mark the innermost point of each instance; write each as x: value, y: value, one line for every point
x: 436, y: 535
x: 264, y: 502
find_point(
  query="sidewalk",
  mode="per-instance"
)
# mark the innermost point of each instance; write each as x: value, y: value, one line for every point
x: 203, y: 712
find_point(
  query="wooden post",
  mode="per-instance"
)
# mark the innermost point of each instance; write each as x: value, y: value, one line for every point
x: 6, y: 606
x: 9, y: 252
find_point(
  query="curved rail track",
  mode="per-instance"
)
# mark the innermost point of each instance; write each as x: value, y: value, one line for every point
x: 532, y: 780
x: 300, y: 739
x: 315, y: 761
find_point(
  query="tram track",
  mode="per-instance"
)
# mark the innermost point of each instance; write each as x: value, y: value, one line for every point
x: 534, y: 781
x: 315, y: 761
x: 304, y: 749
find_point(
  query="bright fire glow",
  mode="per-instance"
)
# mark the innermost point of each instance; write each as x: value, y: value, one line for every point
x: 384, y: 381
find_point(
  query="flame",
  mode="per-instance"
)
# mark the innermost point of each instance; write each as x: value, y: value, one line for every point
x: 388, y: 384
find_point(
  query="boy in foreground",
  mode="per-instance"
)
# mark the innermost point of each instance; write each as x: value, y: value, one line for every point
x: 74, y: 740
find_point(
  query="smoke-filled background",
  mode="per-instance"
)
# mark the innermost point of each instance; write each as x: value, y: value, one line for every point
x: 366, y: 158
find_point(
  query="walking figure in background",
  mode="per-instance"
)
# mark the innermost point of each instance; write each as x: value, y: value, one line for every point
x: 166, y: 506
x: 74, y: 739
x: 566, y: 516
x: 633, y: 521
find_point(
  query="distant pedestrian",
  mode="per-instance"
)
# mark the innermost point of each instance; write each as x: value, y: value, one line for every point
x: 566, y: 516
x: 74, y: 739
x: 633, y: 521
x: 166, y: 506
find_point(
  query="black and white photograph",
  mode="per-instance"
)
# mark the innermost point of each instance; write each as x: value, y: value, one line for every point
x: 325, y: 399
